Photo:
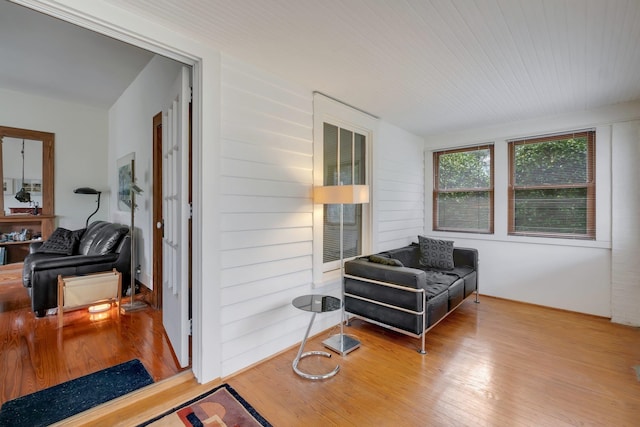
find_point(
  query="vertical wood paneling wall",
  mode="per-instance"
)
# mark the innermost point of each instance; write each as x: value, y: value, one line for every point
x: 399, y: 191
x: 625, y: 227
x: 266, y: 183
x: 267, y: 160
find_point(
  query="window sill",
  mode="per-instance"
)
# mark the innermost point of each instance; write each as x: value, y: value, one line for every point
x: 580, y: 243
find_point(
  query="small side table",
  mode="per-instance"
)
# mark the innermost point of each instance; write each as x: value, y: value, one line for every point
x: 315, y: 304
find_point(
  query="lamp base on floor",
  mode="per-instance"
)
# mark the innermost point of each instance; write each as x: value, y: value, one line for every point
x: 132, y: 306
x: 341, y: 344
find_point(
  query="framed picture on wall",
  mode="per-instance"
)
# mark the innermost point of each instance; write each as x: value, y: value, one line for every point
x: 124, y: 182
x: 19, y: 184
x: 7, y: 185
x: 36, y: 186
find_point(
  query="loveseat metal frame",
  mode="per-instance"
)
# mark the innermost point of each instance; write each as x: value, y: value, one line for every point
x: 423, y: 312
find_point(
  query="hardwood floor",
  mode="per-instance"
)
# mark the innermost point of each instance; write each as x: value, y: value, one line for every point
x: 497, y: 363
x: 36, y: 354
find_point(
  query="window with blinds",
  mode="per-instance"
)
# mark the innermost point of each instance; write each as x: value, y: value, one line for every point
x: 344, y: 164
x: 463, y: 190
x: 552, y: 186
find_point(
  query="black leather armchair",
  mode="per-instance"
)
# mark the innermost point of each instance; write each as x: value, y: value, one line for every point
x: 103, y: 246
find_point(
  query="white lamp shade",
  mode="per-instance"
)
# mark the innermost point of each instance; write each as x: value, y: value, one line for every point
x: 341, y: 194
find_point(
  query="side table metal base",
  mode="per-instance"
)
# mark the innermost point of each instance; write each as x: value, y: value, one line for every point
x: 314, y: 376
x: 302, y: 355
x: 341, y: 344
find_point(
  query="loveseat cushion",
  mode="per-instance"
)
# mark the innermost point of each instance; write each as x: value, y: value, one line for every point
x: 409, y: 256
x: 437, y: 308
x: 61, y: 242
x: 461, y: 271
x: 101, y: 238
x: 438, y: 277
x: 434, y: 289
x: 436, y: 253
x: 456, y: 294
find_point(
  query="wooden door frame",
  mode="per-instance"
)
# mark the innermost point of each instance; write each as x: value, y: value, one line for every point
x: 156, y: 295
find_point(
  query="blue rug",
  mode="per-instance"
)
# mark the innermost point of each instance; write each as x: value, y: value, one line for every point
x: 72, y: 397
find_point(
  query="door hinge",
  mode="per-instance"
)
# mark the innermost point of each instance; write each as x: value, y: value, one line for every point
x: 190, y: 93
x: 190, y: 210
x: 190, y: 327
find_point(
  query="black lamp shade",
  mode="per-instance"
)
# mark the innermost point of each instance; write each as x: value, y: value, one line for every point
x: 86, y: 190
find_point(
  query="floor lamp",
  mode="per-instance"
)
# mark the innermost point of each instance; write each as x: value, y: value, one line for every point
x: 341, y: 195
x: 88, y: 190
x: 133, y: 305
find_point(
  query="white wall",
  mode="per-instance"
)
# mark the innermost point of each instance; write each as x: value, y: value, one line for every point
x: 568, y: 274
x: 80, y: 149
x: 131, y: 131
x: 398, y: 189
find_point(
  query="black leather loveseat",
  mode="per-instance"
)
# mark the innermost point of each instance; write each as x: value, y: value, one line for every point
x: 102, y: 246
x: 392, y: 288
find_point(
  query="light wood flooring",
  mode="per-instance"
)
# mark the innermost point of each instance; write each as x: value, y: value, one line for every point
x: 497, y: 363
x: 35, y: 353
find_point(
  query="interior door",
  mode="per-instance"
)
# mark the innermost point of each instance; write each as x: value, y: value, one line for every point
x: 176, y: 213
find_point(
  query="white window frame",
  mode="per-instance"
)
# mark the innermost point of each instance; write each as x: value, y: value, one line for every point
x: 327, y: 110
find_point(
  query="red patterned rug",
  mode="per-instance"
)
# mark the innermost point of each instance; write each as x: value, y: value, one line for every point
x: 220, y: 407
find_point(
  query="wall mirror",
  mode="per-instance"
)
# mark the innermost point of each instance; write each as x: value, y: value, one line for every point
x: 26, y: 168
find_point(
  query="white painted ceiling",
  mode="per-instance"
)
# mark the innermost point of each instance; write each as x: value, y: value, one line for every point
x: 430, y: 66
x: 44, y: 56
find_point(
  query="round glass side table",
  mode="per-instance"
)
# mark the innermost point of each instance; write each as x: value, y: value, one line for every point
x: 314, y: 304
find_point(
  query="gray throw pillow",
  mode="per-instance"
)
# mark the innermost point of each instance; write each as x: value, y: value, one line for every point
x: 436, y: 253
x: 385, y: 261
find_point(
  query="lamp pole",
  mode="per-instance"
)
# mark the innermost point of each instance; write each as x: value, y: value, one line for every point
x: 133, y: 305
x: 342, y: 194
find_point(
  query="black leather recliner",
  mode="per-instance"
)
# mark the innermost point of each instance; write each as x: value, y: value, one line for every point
x: 103, y: 246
